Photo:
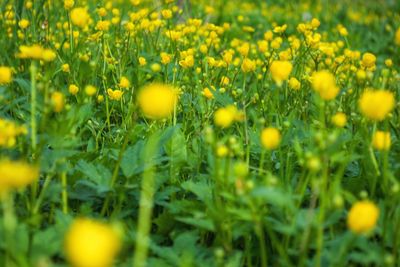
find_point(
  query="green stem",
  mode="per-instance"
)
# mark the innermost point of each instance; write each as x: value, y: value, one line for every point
x: 146, y: 203
x: 64, y: 193
x: 33, y: 71
x: 9, y: 223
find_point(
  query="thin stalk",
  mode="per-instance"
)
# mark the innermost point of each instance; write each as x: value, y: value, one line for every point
x: 146, y: 203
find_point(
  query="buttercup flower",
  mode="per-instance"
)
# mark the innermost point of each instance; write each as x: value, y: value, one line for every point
x: 270, y: 138
x: 16, y: 175
x: 5, y: 75
x: 157, y: 101
x: 79, y: 17
x: 377, y: 104
x: 280, y: 70
x: 381, y: 140
x: 323, y: 82
x: 362, y: 217
x: 339, y: 119
x: 89, y: 243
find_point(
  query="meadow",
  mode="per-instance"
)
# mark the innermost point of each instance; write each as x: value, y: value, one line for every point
x: 199, y: 133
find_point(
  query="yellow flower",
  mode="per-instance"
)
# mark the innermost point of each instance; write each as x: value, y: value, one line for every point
x: 315, y: 23
x: 165, y: 58
x: 323, y: 82
x: 224, y: 117
x: 79, y: 17
x: 23, y: 23
x: 207, y: 93
x: 155, y: 67
x: 362, y: 217
x: 142, y: 61
x: 48, y: 55
x: 244, y: 49
x: 381, y: 140
x: 124, y: 82
x: 389, y: 63
x: 89, y: 243
x: 397, y: 37
x: 90, y: 90
x: 187, y: 62
x: 339, y: 119
x: 368, y: 60
x: 294, y: 84
x: 73, y: 89
x: 166, y: 13
x: 224, y: 80
x: 33, y: 52
x: 68, y: 4
x: 16, y: 175
x: 376, y: 105
x: 9, y: 132
x: 100, y: 98
x: 270, y: 138
x: 58, y: 101
x: 248, y: 65
x: 222, y: 151
x: 65, y: 68
x: 115, y: 94
x: 157, y: 101
x: 5, y: 75
x: 280, y: 71
x: 103, y: 25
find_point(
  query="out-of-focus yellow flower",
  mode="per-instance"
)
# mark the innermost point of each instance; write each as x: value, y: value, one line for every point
x: 65, y: 68
x: 115, y: 94
x: 225, y: 116
x: 16, y: 175
x: 23, y: 23
x: 270, y: 138
x: 222, y: 151
x: 323, y: 82
x: 155, y: 67
x: 294, y: 84
x: 80, y: 17
x: 361, y: 74
x: 57, y: 101
x: 368, y: 60
x: 362, y: 217
x: 142, y: 61
x: 100, y: 98
x: 90, y: 90
x: 376, y: 105
x: 381, y: 140
x: 165, y: 58
x: 207, y: 93
x: 89, y: 243
x: 48, y: 55
x: 397, y: 37
x: 166, y: 13
x: 248, y: 65
x: 68, y: 4
x: 9, y: 132
x: 280, y: 71
x: 339, y: 119
x: 5, y: 75
x: 389, y: 63
x: 73, y: 89
x: 124, y: 83
x: 103, y: 25
x: 157, y: 101
x: 187, y: 62
x: 34, y: 52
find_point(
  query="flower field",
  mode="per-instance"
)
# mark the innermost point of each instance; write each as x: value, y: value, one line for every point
x: 199, y: 133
